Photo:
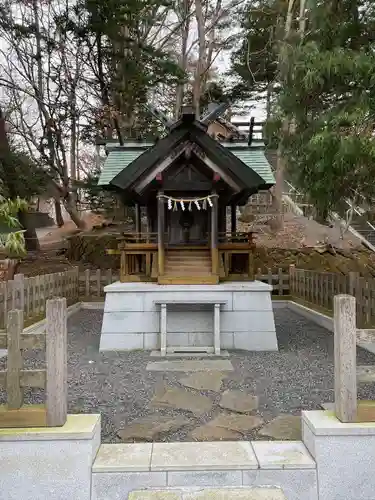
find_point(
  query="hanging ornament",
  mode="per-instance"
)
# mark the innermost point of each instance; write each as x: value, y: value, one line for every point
x: 190, y: 206
x: 204, y: 206
x: 197, y: 204
x: 175, y: 206
x: 210, y: 202
x: 182, y: 205
x: 169, y: 204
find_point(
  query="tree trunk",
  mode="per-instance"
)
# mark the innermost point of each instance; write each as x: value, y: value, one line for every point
x: 71, y: 208
x: 58, y: 214
x: 31, y: 239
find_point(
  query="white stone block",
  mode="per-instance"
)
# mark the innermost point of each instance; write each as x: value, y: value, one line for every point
x: 200, y: 339
x: 226, y: 340
x: 247, y: 321
x: 192, y: 321
x: 215, y: 478
x: 182, y: 294
x: 283, y: 455
x: 134, y: 457
x: 295, y: 484
x: 151, y: 341
x: 203, y: 456
x: 53, y: 463
x: 117, y: 486
x: 248, y: 301
x: 124, y: 302
x: 308, y: 438
x: 255, y: 341
x: 344, y: 454
x: 130, y: 322
x: 117, y: 342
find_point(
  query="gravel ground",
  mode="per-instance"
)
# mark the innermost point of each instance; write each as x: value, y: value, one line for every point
x: 117, y: 385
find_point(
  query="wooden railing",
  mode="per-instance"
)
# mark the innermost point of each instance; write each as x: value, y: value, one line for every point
x: 53, y: 378
x: 319, y: 289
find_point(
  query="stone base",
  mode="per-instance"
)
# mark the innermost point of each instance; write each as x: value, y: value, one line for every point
x: 344, y: 455
x: 132, y: 319
x: 49, y: 463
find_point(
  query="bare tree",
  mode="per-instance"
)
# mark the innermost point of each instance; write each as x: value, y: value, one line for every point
x: 41, y: 69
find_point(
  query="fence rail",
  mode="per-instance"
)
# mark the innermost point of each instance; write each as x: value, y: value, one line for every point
x: 319, y: 289
x: 311, y: 287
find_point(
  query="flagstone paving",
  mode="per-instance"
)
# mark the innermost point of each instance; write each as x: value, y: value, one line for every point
x: 238, y: 401
x: 183, y: 401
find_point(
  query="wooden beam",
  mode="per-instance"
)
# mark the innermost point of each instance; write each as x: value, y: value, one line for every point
x: 211, y: 165
x: 158, y: 169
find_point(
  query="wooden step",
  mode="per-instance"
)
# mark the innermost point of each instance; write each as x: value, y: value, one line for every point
x: 188, y: 280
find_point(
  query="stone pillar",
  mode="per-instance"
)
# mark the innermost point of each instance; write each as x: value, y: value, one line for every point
x: 345, y: 350
x: 49, y: 463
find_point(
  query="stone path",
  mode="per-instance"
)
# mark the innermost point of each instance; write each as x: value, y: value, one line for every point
x: 190, y: 365
x: 189, y: 398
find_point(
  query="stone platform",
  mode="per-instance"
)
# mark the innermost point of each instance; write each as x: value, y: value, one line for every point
x: 132, y: 318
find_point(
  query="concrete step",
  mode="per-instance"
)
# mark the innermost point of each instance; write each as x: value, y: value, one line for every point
x: 258, y: 493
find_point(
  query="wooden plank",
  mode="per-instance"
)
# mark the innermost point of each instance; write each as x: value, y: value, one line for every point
x: 33, y: 341
x: 345, y: 348
x: 27, y: 416
x: 28, y: 378
x: 33, y: 378
x: 14, y: 359
x: 56, y: 360
x: 109, y: 276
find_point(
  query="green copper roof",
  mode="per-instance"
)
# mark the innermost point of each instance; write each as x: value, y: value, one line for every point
x: 120, y: 157
x: 255, y: 159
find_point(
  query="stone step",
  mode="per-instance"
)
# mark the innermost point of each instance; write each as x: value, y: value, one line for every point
x: 257, y: 493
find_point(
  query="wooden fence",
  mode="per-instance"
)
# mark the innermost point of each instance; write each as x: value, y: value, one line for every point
x: 319, y: 289
x: 52, y: 378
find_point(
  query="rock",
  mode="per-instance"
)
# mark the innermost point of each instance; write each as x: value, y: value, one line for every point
x: 148, y: 428
x: 210, y: 381
x: 184, y: 400
x: 283, y: 427
x: 238, y: 401
x: 209, y: 432
x: 237, y: 423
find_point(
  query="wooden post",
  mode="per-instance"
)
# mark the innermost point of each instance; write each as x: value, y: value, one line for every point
x: 56, y: 360
x: 281, y: 284
x: 233, y: 218
x: 87, y: 283
x: 292, y: 284
x: 345, y: 349
x: 137, y: 219
x: 161, y: 216
x: 14, y: 361
x: 19, y: 285
x: 98, y: 282
x: 214, y: 231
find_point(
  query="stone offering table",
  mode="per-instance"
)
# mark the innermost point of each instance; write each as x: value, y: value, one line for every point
x: 132, y: 316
